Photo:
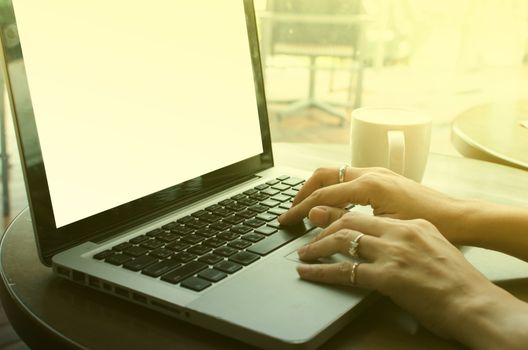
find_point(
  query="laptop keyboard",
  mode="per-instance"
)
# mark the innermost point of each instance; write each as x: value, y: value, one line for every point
x: 209, y: 245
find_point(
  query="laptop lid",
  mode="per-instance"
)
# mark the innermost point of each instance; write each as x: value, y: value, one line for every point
x: 125, y: 111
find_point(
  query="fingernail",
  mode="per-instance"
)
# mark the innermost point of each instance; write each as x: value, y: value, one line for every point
x: 281, y: 217
x: 302, y: 250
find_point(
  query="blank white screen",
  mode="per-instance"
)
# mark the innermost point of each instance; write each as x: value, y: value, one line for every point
x: 132, y: 97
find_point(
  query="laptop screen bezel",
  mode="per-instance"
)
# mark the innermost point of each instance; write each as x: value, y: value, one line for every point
x: 52, y: 240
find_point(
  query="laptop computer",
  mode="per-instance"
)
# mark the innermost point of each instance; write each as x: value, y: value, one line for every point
x: 145, y: 145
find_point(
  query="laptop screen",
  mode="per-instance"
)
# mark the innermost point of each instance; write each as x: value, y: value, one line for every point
x: 137, y: 106
x: 130, y: 99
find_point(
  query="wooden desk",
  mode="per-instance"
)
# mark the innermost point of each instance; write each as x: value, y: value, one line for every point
x: 52, y: 313
x: 494, y: 132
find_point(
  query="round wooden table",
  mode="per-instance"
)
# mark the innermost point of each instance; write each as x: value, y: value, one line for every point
x: 495, y: 132
x: 51, y: 313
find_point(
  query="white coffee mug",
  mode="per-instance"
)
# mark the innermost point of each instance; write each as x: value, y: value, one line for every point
x: 391, y: 137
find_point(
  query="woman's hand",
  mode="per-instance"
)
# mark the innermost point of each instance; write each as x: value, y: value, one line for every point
x: 413, y: 264
x: 389, y: 195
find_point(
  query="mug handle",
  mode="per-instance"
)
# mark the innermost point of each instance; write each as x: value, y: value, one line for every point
x: 396, y: 156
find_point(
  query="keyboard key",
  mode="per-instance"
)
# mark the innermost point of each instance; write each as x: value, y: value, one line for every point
x: 122, y: 246
x: 228, y: 266
x: 248, y: 201
x: 283, y: 177
x: 196, y: 284
x: 250, y: 191
x: 248, y: 214
x: 261, y: 187
x: 280, y: 187
x: 140, y: 263
x: 239, y: 244
x: 238, y: 197
x: 196, y: 224
x: 280, y: 198
x: 254, y: 223
x: 177, y: 246
x: 228, y: 235
x: 161, y: 253
x: 154, y: 232
x: 206, y: 232
x: 266, y: 216
x: 259, y: 208
x: 236, y: 207
x: 266, y: 230
x: 152, y: 244
x: 210, y: 218
x: 160, y: 268
x: 259, y: 196
x: 272, y: 182
x: 135, y: 251
x: 225, y: 251
x: 169, y: 226
x: 220, y: 226
x: 235, y: 219
x: 223, y: 212
x: 270, y: 191
x: 198, y: 214
x: 213, y: 208
x: 193, y: 239
x: 240, y: 229
x: 226, y: 202
x: 199, y: 249
x: 285, y: 205
x: 181, y: 230
x: 280, y: 238
x: 183, y: 272
x: 104, y: 254
x: 290, y: 192
x: 138, y: 239
x: 244, y: 258
x: 293, y: 181
x: 253, y: 237
x: 270, y: 203
x: 118, y: 259
x: 214, y: 242
x: 211, y: 259
x: 212, y: 275
x: 184, y: 257
x: 185, y: 219
x: 277, y: 211
x: 167, y: 237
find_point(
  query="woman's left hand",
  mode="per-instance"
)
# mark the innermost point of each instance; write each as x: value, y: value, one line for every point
x: 406, y: 260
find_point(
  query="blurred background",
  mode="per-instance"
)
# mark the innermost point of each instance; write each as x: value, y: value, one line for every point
x: 442, y: 57
x: 323, y: 58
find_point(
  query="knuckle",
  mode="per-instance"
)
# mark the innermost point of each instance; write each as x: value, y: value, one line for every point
x: 341, y: 237
x: 344, y: 268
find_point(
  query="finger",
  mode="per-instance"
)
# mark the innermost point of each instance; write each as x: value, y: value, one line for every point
x: 322, y: 216
x: 334, y: 196
x: 324, y: 177
x: 367, y: 224
x: 340, y: 273
x: 369, y: 247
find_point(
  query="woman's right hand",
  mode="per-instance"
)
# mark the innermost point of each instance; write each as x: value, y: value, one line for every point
x: 390, y: 195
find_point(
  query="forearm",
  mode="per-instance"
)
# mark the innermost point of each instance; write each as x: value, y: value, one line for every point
x: 493, y: 320
x: 491, y: 226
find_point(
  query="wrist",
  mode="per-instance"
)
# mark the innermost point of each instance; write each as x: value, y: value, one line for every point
x: 491, y: 318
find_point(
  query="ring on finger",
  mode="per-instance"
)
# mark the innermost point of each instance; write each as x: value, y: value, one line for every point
x: 354, y: 246
x: 353, y: 273
x: 342, y: 173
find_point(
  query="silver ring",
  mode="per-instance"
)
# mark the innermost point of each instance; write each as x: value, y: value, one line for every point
x: 354, y: 246
x: 342, y: 173
x: 353, y: 273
